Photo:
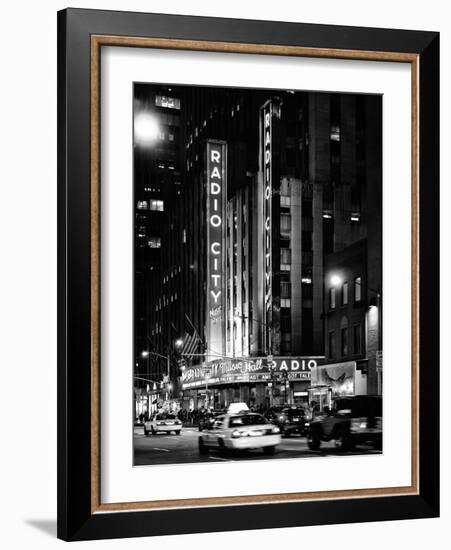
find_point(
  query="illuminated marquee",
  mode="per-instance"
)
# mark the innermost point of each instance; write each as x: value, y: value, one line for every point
x: 234, y: 371
x: 216, y: 196
x: 267, y: 216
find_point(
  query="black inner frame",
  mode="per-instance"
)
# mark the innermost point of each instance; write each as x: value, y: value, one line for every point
x: 75, y: 520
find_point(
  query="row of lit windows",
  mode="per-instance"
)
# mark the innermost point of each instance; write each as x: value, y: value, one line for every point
x: 354, y: 216
x: 165, y: 164
x: 167, y: 102
x: 172, y: 274
x: 154, y: 242
x: 152, y: 204
x: 345, y: 293
x: 357, y: 344
x: 163, y: 136
x: 166, y: 301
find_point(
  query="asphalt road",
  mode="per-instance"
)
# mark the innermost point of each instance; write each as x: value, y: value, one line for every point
x: 179, y: 449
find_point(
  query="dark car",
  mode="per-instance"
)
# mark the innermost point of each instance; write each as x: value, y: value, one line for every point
x: 353, y: 420
x: 290, y: 420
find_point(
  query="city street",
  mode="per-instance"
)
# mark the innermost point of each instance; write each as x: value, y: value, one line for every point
x: 177, y: 449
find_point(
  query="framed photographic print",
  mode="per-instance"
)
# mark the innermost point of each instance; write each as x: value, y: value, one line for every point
x: 248, y: 274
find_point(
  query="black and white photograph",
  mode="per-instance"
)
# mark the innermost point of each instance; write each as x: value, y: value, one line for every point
x: 257, y: 274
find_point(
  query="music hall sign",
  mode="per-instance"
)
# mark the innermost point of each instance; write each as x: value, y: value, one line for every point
x: 216, y: 200
x: 256, y: 369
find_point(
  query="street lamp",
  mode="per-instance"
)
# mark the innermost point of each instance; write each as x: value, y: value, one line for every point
x: 335, y: 280
x: 146, y: 129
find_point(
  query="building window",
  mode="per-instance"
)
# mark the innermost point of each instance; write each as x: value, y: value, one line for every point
x: 335, y: 133
x: 357, y: 289
x: 285, y: 344
x: 344, y: 342
x: 344, y: 294
x: 154, y: 242
x: 285, y: 201
x: 357, y: 339
x: 285, y: 289
x: 157, y: 205
x: 285, y: 223
x: 332, y: 301
x: 285, y: 259
x: 285, y: 302
x: 332, y: 344
x: 142, y: 205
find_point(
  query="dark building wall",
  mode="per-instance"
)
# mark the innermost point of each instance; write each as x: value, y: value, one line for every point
x: 346, y: 266
x: 371, y: 169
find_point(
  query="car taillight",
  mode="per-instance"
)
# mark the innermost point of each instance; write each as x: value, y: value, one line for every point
x: 177, y: 422
x: 358, y: 424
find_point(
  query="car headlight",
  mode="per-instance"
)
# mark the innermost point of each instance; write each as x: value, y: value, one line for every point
x: 159, y: 423
x: 358, y: 424
x: 275, y: 430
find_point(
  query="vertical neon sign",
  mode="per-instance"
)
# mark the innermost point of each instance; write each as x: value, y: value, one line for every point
x: 216, y: 198
x: 267, y: 216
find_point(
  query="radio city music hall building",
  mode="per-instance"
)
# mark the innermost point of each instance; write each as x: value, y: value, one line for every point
x: 244, y: 202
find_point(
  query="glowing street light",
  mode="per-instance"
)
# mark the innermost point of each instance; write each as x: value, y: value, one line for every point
x: 179, y: 342
x: 335, y: 280
x: 146, y: 129
x: 144, y: 353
